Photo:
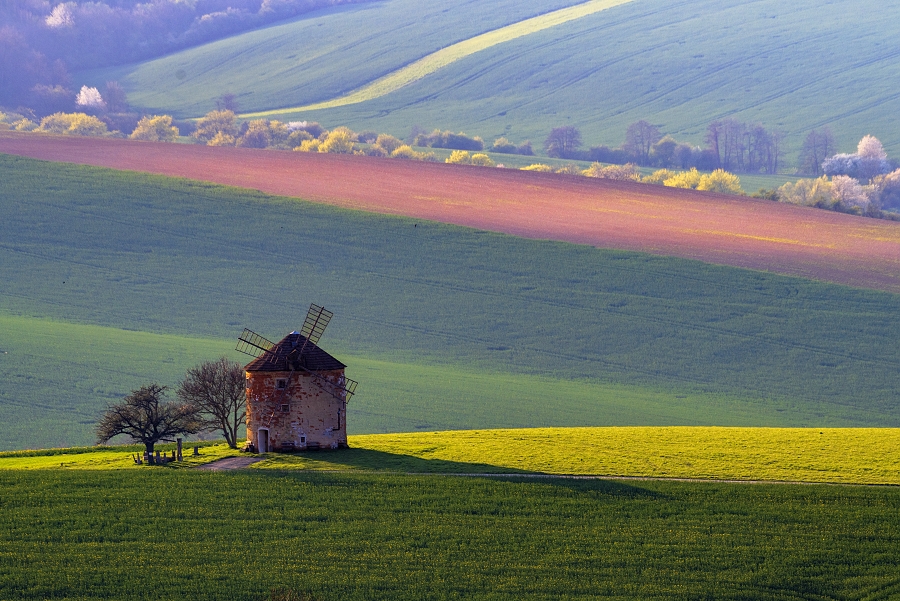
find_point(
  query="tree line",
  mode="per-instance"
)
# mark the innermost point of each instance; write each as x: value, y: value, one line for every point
x: 865, y: 183
x: 731, y: 145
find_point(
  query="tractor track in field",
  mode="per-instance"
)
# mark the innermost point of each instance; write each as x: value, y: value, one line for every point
x: 718, y: 229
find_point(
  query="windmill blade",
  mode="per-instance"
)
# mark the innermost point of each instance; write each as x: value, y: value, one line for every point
x: 251, y: 343
x: 343, y: 389
x: 317, y: 319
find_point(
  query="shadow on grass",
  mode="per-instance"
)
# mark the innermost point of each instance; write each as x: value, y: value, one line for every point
x: 381, y: 462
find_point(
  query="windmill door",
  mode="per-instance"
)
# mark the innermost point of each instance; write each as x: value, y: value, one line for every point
x: 262, y: 440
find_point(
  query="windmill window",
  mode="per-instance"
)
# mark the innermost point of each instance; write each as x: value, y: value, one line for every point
x: 281, y: 383
x: 285, y: 408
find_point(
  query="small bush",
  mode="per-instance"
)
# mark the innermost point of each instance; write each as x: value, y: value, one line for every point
x: 458, y: 157
x: 540, y: 167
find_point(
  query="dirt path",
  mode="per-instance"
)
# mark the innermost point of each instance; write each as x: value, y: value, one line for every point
x: 727, y: 230
x: 230, y: 463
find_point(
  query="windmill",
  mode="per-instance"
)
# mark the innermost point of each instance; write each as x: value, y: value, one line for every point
x: 317, y: 318
x: 297, y: 352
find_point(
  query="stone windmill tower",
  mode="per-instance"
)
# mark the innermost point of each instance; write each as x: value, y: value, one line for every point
x: 296, y: 393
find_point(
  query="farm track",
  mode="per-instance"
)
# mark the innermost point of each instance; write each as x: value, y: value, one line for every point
x: 714, y: 228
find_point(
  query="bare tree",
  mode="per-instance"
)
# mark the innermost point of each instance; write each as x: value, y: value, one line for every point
x: 818, y: 146
x: 639, y: 139
x: 563, y: 142
x: 217, y: 389
x: 142, y: 416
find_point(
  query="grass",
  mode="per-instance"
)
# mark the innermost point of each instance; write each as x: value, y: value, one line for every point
x: 116, y: 457
x: 445, y: 56
x: 448, y: 327
x: 687, y: 64
x: 827, y: 455
x: 167, y: 534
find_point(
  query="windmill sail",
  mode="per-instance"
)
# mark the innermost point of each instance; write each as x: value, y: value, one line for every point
x: 314, y: 325
x: 251, y: 343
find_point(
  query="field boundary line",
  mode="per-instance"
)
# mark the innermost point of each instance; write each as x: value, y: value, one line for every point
x: 445, y: 56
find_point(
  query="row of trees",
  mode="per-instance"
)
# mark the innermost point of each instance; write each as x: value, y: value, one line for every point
x: 211, y: 397
x: 731, y: 145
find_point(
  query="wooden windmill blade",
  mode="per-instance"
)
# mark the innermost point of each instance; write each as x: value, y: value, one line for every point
x: 251, y: 343
x: 314, y: 325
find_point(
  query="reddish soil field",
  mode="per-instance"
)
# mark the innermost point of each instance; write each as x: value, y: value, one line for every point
x: 719, y: 229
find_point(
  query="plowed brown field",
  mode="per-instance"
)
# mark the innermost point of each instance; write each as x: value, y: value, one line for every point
x: 719, y: 229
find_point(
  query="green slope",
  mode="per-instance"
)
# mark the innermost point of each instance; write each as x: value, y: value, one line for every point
x: 638, y: 339
x: 680, y: 65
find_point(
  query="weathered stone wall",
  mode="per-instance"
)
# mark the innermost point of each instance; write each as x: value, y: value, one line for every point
x: 301, y: 415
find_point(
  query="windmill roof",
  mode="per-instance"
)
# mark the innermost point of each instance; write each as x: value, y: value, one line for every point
x: 285, y: 356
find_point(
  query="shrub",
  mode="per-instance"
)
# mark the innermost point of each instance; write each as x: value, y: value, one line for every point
x: 539, y: 167
x: 339, y: 141
x: 459, y: 157
x: 408, y: 152
x: 24, y: 124
x: 809, y: 192
x: 312, y: 128
x: 256, y: 136
x: 77, y: 124
x: 388, y: 142
x: 368, y: 137
x: 157, y: 128
x: 658, y: 177
x: 685, y: 179
x: 568, y: 170
x: 297, y: 137
x: 627, y: 172
x: 504, y: 146
x: 214, y: 123
x: 222, y: 139
x: 720, y: 181
x: 481, y: 160
x: 450, y: 140
x: 311, y: 145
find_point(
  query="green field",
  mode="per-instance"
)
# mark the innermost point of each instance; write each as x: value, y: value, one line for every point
x: 687, y: 64
x: 445, y: 327
x: 167, y: 534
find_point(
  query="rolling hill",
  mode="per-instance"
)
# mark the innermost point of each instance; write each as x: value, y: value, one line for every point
x: 449, y: 327
x: 679, y: 65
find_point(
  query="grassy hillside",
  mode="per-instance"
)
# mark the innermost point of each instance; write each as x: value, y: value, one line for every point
x: 167, y: 534
x: 687, y: 64
x: 441, y: 322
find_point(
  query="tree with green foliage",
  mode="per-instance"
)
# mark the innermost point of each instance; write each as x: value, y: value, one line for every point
x: 217, y: 389
x: 563, y: 142
x: 143, y: 416
x: 157, y: 128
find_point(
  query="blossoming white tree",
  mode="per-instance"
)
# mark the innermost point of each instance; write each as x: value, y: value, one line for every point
x: 90, y: 98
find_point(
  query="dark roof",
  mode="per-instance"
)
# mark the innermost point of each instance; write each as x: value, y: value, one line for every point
x: 285, y: 356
